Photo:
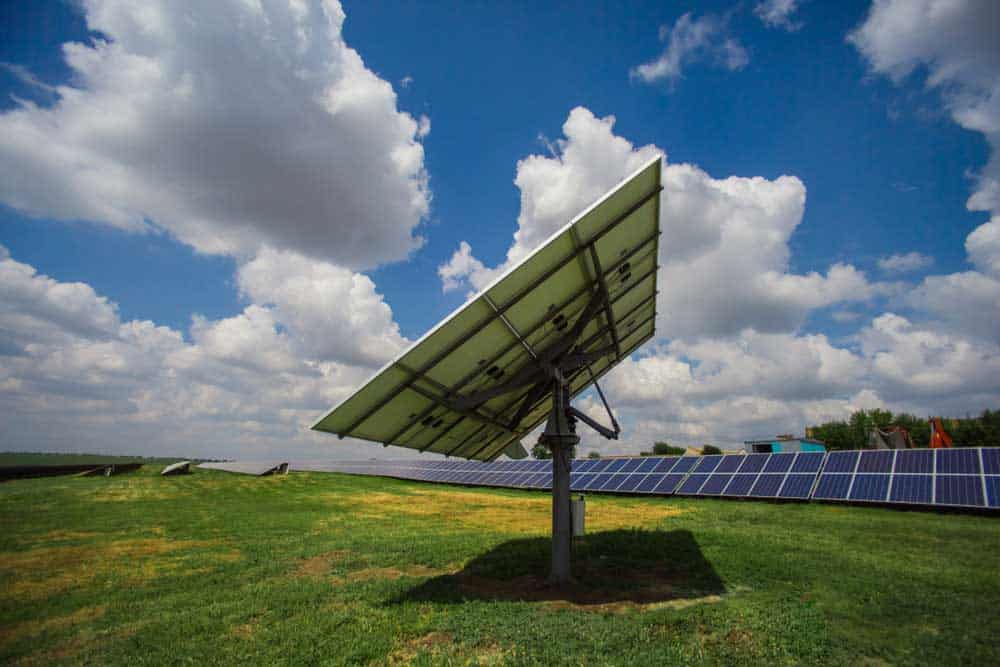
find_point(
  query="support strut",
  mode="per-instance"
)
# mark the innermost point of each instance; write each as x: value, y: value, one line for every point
x: 560, y: 437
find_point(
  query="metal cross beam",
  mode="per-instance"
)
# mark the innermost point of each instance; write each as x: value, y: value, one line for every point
x: 501, y: 309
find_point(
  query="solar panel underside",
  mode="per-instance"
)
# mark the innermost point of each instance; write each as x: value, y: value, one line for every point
x: 955, y: 478
x: 607, y: 255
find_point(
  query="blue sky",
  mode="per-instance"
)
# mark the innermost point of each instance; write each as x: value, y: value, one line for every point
x: 887, y: 137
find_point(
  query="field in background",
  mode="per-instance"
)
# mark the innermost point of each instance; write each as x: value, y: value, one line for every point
x: 45, y: 459
x: 214, y: 567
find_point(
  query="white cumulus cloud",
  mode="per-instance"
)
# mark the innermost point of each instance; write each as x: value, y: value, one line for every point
x: 778, y: 14
x: 905, y: 263
x: 229, y: 124
x: 693, y: 40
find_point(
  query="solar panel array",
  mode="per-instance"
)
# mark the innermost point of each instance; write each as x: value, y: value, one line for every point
x: 256, y: 468
x: 967, y: 477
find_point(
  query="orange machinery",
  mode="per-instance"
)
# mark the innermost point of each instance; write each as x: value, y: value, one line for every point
x: 938, y: 436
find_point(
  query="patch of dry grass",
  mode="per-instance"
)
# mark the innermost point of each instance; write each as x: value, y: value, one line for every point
x: 390, y: 573
x: 528, y: 515
x: 46, y: 571
x: 318, y: 566
x: 35, y: 628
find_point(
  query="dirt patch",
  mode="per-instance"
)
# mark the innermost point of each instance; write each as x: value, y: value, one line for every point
x: 47, y: 571
x: 527, y: 515
x: 317, y: 566
x: 434, y: 643
x: 34, y: 628
x: 246, y: 630
x: 390, y: 573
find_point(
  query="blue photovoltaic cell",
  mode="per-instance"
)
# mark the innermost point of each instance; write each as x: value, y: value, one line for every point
x: 667, y: 483
x: 612, y: 483
x: 808, y: 462
x: 648, y: 483
x: 684, y: 464
x: 583, y: 466
x: 840, y: 462
x: 992, y: 490
x: 911, y: 488
x: 535, y: 480
x: 754, y: 463
x: 598, y: 481
x: 958, y: 462
x: 915, y: 461
x: 665, y: 464
x: 797, y: 486
x: 991, y: 460
x: 767, y: 485
x: 631, y: 465
x: 715, y: 484
x: 730, y: 463
x: 708, y: 464
x: 741, y: 484
x: 876, y: 461
x: 692, y: 484
x: 832, y: 487
x: 871, y: 487
x: 631, y: 482
x: 958, y: 490
x: 779, y: 462
x: 616, y: 465
x: 577, y: 483
x: 542, y: 466
x: 520, y: 478
x: 648, y: 464
x: 529, y: 480
x: 600, y: 465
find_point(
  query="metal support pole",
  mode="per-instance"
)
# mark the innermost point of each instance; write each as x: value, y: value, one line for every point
x: 560, y: 437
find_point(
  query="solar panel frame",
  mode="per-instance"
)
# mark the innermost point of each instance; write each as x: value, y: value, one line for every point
x: 620, y: 232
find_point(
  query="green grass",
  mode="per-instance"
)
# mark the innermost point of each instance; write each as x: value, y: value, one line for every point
x: 321, y: 568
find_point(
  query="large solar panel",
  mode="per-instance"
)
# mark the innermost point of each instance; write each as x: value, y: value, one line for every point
x: 471, y: 387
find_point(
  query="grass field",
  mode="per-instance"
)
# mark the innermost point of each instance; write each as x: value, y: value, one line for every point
x: 324, y: 568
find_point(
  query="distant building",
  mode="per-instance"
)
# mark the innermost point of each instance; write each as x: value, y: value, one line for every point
x: 784, y: 443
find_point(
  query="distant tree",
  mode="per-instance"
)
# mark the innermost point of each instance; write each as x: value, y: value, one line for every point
x: 594, y: 455
x: 666, y: 449
x: 710, y: 449
x: 540, y: 451
x: 982, y: 431
x: 645, y: 453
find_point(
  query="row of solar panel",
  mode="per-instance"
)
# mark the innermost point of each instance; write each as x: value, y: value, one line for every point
x: 954, y: 477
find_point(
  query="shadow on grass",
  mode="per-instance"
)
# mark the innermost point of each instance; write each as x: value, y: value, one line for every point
x: 611, y: 568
